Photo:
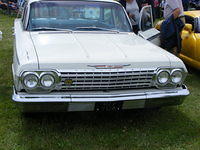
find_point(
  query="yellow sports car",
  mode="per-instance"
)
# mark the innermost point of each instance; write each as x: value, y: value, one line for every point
x: 190, y: 35
x: 190, y: 53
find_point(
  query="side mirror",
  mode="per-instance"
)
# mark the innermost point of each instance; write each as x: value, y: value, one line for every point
x: 188, y: 27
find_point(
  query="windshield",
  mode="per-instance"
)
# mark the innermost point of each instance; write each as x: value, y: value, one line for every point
x: 77, y: 15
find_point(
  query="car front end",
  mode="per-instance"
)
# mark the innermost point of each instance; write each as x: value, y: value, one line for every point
x: 96, y: 64
x: 100, y: 89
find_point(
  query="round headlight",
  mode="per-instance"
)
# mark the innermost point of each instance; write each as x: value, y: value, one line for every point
x: 176, y: 76
x: 163, y: 77
x: 47, y: 80
x: 30, y: 80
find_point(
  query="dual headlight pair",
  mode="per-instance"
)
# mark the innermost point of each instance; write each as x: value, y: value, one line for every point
x: 174, y: 76
x: 48, y: 80
x: 45, y: 80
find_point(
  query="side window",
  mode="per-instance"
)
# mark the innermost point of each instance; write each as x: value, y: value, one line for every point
x: 190, y: 20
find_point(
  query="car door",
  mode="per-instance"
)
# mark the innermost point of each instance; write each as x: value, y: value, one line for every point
x: 189, y: 39
x: 146, y: 26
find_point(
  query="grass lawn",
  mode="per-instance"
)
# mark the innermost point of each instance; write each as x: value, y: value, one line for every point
x: 169, y: 128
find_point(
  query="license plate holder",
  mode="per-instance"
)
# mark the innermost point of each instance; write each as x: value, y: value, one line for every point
x: 108, y: 106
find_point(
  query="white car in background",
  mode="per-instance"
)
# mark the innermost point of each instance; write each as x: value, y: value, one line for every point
x: 82, y: 55
x: 1, y: 37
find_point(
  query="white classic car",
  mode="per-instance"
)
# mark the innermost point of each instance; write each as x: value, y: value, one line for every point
x: 81, y: 55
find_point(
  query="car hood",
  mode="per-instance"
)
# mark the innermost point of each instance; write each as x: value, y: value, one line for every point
x: 79, y: 50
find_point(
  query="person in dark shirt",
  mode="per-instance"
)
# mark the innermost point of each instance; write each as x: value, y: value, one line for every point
x: 172, y: 26
x: 185, y: 4
x: 157, y: 9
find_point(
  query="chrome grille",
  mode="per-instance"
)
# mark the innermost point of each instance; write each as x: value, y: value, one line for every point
x: 107, y: 80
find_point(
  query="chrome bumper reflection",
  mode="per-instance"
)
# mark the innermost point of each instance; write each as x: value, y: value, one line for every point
x: 86, y: 101
x: 98, y: 96
x: 82, y: 101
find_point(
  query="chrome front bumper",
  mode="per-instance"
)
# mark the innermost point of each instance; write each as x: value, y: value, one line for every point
x: 86, y: 101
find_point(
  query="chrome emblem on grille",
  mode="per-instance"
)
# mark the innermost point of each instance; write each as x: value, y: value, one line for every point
x: 68, y: 81
x: 109, y: 66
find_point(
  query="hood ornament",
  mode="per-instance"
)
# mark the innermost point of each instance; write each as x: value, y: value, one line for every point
x: 109, y: 66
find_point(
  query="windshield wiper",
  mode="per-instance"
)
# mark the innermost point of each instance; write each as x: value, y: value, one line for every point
x: 96, y: 29
x: 50, y: 29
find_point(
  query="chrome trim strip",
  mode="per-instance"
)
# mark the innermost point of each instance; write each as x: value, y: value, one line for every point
x: 111, y: 96
x: 109, y: 66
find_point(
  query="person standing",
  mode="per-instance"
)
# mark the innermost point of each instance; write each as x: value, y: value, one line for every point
x: 132, y: 9
x: 174, y: 7
x: 156, y: 9
x: 172, y: 26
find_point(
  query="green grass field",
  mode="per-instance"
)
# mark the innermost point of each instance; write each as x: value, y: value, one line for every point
x: 170, y: 128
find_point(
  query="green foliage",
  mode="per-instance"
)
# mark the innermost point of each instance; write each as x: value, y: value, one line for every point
x: 170, y: 128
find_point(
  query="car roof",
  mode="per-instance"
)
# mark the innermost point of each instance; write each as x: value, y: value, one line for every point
x: 195, y: 13
x: 112, y: 1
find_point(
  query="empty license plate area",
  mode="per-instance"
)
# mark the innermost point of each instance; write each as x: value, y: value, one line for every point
x: 108, y: 106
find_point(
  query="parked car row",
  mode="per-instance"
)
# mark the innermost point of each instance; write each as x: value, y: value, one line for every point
x: 83, y: 56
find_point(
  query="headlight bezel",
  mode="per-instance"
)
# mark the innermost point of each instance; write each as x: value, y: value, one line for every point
x: 170, y: 83
x: 40, y: 88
